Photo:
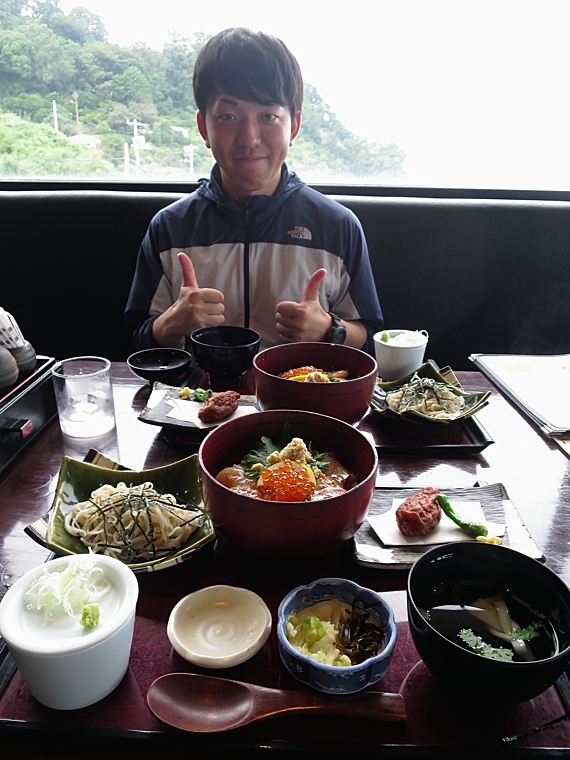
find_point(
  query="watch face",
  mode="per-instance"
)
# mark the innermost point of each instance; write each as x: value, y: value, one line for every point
x: 337, y: 334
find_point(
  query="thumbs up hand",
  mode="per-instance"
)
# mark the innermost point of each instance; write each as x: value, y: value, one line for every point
x: 188, y: 274
x: 307, y: 320
x: 196, y: 307
x: 204, y: 307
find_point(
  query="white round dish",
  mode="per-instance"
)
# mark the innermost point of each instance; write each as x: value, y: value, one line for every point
x: 219, y: 626
x: 65, y: 665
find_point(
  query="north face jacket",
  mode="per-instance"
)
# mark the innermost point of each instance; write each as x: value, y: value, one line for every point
x: 258, y: 252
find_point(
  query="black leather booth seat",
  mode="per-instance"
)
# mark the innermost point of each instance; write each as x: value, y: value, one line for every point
x: 479, y: 275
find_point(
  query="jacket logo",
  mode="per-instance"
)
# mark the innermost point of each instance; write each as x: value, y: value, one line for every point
x: 300, y: 232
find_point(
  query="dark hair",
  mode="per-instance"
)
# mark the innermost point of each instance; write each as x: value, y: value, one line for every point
x: 250, y: 66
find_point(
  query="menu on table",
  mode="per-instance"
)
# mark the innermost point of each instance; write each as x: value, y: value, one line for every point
x: 538, y: 385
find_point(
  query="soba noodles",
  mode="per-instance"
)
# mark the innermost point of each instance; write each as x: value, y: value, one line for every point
x: 133, y: 524
x: 426, y: 396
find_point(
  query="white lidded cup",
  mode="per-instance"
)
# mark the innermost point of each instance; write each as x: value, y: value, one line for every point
x: 65, y: 665
x: 84, y: 396
x: 401, y: 354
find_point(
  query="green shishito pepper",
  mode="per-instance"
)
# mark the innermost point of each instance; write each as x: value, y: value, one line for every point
x: 472, y: 529
x: 201, y: 394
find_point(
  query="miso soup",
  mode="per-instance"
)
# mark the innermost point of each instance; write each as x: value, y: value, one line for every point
x: 491, y: 622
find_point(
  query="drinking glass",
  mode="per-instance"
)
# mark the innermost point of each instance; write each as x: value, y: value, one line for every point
x: 84, y: 396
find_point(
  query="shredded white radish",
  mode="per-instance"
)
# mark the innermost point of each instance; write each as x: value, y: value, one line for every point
x: 68, y: 590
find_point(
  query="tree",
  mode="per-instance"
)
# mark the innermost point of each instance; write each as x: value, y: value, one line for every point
x: 92, y: 25
x: 131, y: 86
x: 43, y: 9
x: 35, y: 54
x: 178, y: 58
x: 11, y: 13
x: 16, y: 53
x: 80, y: 25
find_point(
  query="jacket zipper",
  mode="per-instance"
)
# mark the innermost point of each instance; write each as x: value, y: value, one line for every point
x: 246, y: 272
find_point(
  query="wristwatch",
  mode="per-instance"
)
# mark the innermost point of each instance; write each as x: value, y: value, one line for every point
x: 337, y: 332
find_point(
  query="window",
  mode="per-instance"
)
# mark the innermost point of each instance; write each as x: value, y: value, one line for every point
x: 440, y: 93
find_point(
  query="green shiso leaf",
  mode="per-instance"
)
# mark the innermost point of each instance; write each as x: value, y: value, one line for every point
x: 319, y: 460
x: 258, y: 456
x: 266, y: 447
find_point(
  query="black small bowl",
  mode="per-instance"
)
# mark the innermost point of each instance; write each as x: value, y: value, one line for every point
x: 163, y: 365
x: 225, y: 353
x: 464, y: 672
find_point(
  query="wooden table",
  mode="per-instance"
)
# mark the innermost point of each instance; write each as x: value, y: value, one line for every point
x: 537, y: 477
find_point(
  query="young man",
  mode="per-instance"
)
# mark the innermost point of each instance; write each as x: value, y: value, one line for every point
x: 253, y: 246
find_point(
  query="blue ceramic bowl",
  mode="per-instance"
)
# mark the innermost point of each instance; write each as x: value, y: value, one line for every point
x: 334, y: 680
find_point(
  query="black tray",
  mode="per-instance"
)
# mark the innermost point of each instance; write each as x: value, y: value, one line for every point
x: 179, y: 434
x: 395, y: 435
x: 25, y: 410
x: 389, y: 433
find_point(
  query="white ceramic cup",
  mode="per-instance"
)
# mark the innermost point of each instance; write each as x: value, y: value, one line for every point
x: 396, y: 360
x: 65, y: 665
x: 84, y: 396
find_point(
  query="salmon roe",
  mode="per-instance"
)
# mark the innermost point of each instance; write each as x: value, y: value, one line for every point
x: 298, y: 371
x: 285, y: 483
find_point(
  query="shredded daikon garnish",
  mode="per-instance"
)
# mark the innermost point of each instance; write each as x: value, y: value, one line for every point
x: 67, y: 591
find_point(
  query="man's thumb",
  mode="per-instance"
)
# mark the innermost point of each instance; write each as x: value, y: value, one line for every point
x: 312, y: 290
x: 188, y: 275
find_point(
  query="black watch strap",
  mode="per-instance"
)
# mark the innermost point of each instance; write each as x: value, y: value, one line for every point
x: 337, y: 332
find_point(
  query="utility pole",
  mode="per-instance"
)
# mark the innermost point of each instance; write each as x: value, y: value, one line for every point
x: 54, y: 107
x: 135, y: 124
x: 189, y: 158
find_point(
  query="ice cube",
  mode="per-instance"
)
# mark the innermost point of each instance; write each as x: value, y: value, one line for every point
x: 95, y: 397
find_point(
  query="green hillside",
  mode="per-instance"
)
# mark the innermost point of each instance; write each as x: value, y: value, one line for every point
x: 100, y: 90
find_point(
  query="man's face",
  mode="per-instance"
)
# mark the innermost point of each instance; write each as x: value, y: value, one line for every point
x: 249, y: 141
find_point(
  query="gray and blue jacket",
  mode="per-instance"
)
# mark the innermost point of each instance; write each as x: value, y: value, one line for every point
x: 258, y: 252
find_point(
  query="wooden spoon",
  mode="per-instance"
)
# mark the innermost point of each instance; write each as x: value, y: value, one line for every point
x: 205, y: 704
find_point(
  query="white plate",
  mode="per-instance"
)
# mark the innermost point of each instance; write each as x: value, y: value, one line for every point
x: 219, y: 626
x: 445, y: 532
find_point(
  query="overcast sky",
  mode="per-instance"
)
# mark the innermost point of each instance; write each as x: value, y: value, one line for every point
x: 457, y: 84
